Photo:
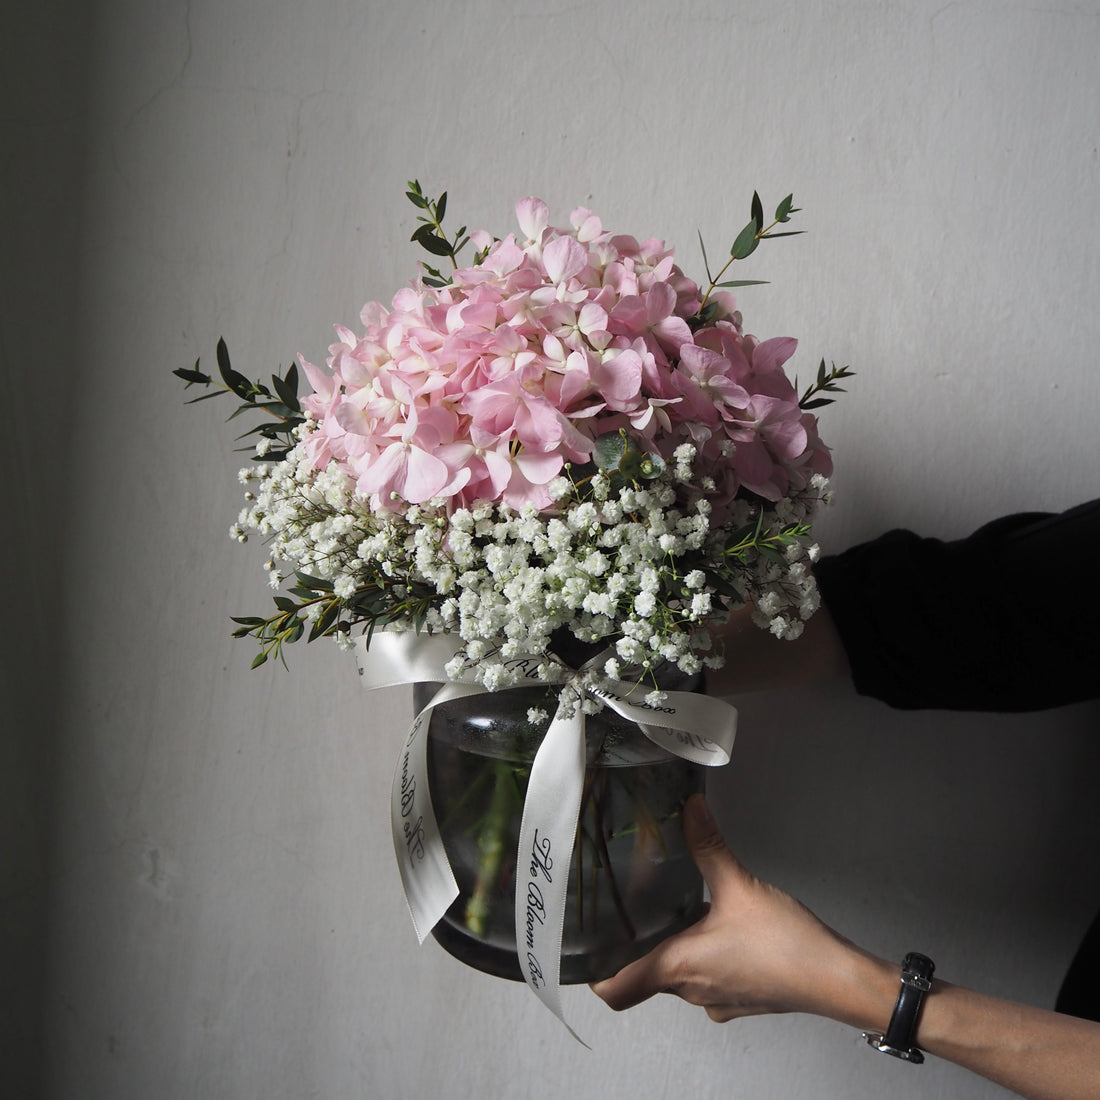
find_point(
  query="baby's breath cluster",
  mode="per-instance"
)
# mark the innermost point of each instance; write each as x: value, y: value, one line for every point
x: 636, y: 570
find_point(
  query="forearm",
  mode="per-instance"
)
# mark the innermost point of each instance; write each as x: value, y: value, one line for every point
x: 760, y: 950
x: 1038, y: 1054
x: 759, y: 661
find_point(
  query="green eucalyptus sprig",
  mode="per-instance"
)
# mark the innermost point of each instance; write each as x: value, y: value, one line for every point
x: 744, y: 245
x: 430, y: 234
x: 372, y: 602
x: 765, y: 541
x: 282, y: 406
x: 770, y: 544
x: 825, y: 383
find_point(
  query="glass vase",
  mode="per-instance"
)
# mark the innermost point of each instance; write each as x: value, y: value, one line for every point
x: 632, y: 881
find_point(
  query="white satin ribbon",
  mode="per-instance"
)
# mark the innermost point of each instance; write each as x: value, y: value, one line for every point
x: 695, y: 727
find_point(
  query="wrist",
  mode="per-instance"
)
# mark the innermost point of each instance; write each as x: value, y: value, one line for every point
x: 899, y: 1039
x: 859, y: 990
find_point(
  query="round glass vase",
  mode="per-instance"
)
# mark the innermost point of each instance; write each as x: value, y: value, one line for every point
x: 632, y: 881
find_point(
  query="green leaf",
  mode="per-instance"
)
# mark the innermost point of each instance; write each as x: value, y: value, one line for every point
x: 235, y: 381
x: 223, y: 356
x: 743, y: 282
x: 740, y: 541
x: 238, y: 384
x: 314, y: 583
x: 703, y: 249
x: 190, y: 376
x: 287, y: 390
x: 204, y: 397
x: 757, y: 211
x: 783, y: 210
x: 417, y: 200
x: 261, y: 658
x: 785, y: 233
x: 441, y: 207
x: 638, y: 465
x: 276, y: 409
x: 708, y: 313
x: 427, y: 238
x: 631, y: 465
x: 609, y: 450
x: 722, y: 585
x: 327, y: 618
x: 746, y: 242
x: 437, y: 246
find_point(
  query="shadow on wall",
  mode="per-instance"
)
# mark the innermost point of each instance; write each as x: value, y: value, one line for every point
x: 41, y: 191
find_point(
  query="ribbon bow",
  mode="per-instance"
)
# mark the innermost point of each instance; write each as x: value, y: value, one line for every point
x: 694, y: 727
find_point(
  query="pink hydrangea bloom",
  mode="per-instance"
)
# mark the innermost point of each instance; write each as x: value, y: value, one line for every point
x: 484, y: 389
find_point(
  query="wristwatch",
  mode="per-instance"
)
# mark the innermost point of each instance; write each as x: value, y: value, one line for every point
x: 916, y: 980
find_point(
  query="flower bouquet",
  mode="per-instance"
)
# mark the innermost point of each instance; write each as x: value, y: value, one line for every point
x: 540, y: 480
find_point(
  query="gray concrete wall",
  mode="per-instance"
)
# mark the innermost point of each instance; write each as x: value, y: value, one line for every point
x: 223, y: 916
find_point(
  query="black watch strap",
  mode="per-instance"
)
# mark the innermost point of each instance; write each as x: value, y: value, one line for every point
x: 916, y: 980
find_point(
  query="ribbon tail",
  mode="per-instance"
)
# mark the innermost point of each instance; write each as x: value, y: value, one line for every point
x: 426, y: 874
x: 546, y: 838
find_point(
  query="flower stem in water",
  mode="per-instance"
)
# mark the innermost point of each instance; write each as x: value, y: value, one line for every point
x: 491, y: 844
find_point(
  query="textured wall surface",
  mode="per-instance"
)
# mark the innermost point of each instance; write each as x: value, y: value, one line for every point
x: 220, y: 915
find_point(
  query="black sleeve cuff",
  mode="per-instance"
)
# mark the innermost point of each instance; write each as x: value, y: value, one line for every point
x: 1005, y: 620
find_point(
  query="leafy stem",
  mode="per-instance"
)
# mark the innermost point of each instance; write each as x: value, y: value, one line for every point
x: 430, y: 234
x: 281, y: 406
x: 288, y: 624
x: 372, y: 602
x: 744, y: 245
x: 766, y: 542
x: 825, y: 383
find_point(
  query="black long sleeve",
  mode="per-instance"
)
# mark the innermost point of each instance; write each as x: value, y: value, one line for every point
x: 1005, y: 620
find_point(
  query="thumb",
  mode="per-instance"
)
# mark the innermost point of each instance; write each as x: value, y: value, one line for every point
x: 716, y: 863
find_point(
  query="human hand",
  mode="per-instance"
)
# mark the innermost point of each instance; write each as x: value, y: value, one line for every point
x: 757, y: 950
